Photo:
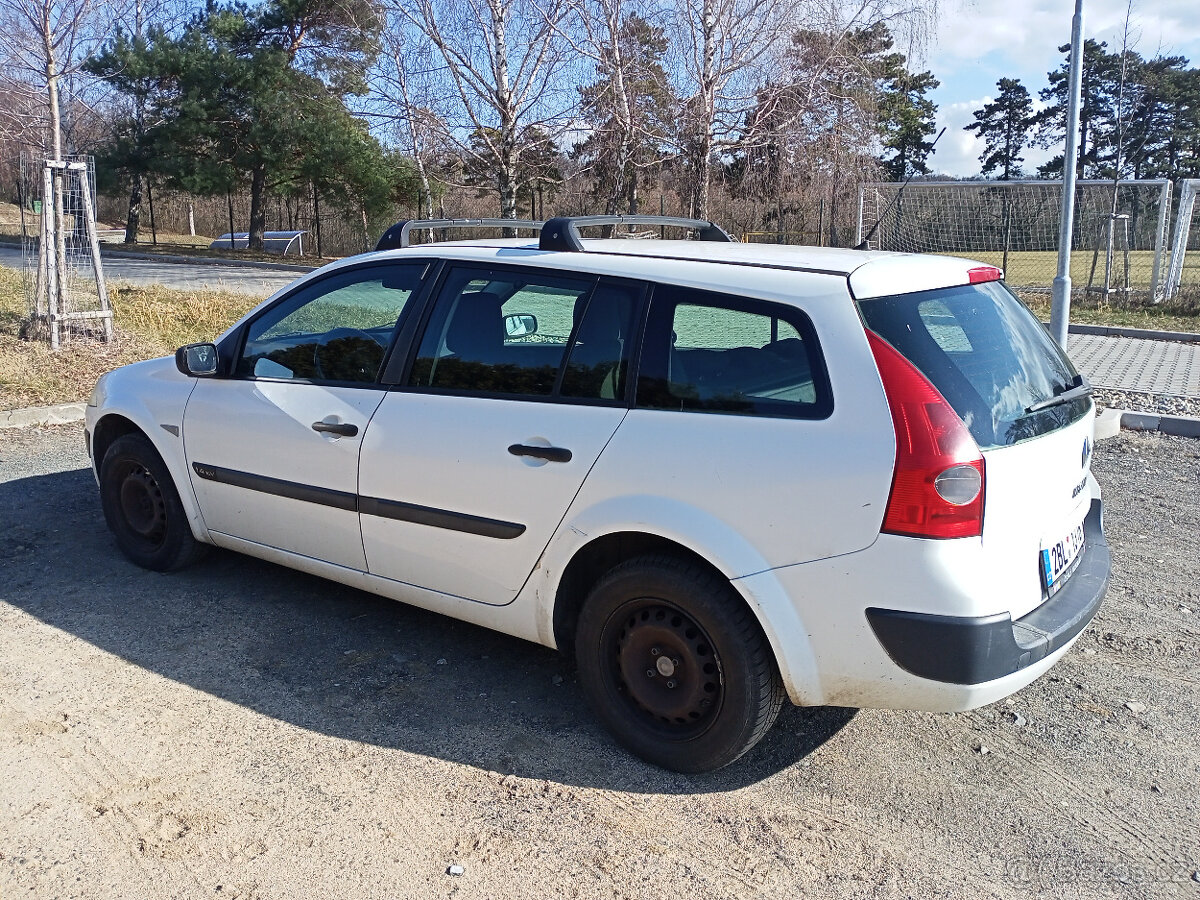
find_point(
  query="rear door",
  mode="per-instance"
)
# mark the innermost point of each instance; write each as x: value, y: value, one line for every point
x: 1020, y: 398
x: 518, y: 383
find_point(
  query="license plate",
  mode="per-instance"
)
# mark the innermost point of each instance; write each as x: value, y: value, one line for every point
x: 1060, y: 558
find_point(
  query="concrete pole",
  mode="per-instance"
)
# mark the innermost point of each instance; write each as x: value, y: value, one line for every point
x: 1060, y: 302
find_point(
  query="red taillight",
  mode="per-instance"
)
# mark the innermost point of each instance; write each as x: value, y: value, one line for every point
x: 980, y: 274
x: 931, y: 440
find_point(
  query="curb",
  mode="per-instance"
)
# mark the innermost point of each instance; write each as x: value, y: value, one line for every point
x: 1182, y: 337
x: 221, y: 261
x: 1145, y: 334
x: 1111, y: 422
x: 61, y: 414
x: 200, y: 260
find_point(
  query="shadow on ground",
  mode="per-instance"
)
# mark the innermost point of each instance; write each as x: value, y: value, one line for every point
x: 335, y: 660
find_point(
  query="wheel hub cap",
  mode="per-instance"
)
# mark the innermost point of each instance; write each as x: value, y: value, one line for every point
x: 668, y: 667
x: 142, y: 503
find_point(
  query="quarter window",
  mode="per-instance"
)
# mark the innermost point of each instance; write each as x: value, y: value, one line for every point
x: 709, y: 352
x: 336, y: 330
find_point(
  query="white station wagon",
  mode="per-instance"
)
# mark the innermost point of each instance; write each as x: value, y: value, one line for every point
x: 723, y: 474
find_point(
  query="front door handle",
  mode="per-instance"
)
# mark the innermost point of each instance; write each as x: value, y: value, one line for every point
x: 338, y: 428
x: 550, y: 454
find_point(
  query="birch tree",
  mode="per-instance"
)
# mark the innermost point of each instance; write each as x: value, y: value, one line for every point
x: 502, y: 66
x: 720, y: 45
x: 46, y: 41
x: 628, y: 108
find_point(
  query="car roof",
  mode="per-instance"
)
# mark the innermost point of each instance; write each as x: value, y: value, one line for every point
x: 870, y: 273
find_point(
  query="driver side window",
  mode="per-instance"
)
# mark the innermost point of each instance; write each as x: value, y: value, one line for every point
x: 337, y: 330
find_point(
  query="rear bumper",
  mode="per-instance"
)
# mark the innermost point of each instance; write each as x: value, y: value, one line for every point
x: 973, y: 650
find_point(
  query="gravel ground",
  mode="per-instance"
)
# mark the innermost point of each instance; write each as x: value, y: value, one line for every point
x: 240, y: 730
x: 1141, y: 401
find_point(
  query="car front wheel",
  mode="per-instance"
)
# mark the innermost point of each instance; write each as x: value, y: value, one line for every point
x: 675, y: 665
x: 142, y: 506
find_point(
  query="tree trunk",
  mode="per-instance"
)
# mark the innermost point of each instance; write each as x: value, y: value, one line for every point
x: 134, y: 218
x: 153, y: 224
x: 258, y: 209
x: 317, y: 221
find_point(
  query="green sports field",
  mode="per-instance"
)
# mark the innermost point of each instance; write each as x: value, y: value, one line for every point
x: 1032, y: 269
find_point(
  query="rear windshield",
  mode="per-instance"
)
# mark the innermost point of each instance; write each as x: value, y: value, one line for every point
x: 986, y: 353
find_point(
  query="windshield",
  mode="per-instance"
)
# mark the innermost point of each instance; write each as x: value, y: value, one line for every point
x: 986, y: 353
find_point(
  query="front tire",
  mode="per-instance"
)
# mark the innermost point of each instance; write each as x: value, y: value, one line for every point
x: 675, y: 665
x: 142, y: 506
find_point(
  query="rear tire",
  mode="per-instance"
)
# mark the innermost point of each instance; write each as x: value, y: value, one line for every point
x: 142, y: 506
x: 675, y: 664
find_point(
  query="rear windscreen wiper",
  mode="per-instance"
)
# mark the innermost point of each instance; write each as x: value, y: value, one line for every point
x: 1080, y: 387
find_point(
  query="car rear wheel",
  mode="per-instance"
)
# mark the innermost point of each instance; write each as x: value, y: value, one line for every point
x: 675, y: 665
x: 142, y: 506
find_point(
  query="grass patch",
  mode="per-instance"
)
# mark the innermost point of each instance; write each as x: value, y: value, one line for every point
x: 1179, y: 314
x: 149, y: 321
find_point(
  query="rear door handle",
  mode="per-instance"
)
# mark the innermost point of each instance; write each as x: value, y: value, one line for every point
x: 551, y: 454
x: 345, y: 430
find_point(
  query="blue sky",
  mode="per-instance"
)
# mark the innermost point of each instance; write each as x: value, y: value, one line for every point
x: 980, y: 41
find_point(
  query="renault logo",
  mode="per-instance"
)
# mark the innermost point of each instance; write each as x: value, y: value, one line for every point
x: 1087, y: 451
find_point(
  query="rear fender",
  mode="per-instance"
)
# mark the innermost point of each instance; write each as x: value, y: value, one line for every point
x: 694, y: 530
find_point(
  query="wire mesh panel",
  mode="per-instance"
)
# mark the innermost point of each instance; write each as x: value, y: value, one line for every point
x: 64, y: 279
x: 1014, y: 225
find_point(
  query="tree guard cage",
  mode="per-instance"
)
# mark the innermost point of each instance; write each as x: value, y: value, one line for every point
x: 64, y: 277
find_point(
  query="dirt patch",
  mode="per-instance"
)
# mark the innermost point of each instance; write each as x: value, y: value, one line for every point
x: 241, y: 730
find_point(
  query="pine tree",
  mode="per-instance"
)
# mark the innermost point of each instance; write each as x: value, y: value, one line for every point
x: 1004, y: 125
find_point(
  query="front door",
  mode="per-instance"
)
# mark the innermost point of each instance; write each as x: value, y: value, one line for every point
x: 518, y: 384
x: 273, y: 450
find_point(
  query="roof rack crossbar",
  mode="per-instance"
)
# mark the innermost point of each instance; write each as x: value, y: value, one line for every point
x: 563, y: 233
x: 396, y: 237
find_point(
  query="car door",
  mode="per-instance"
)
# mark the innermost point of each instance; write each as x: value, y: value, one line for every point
x: 518, y: 383
x: 272, y: 449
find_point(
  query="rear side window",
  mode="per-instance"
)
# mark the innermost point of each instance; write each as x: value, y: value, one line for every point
x: 986, y: 353
x: 716, y: 353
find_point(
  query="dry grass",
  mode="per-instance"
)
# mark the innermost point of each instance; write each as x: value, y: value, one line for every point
x: 150, y: 322
x: 1179, y: 314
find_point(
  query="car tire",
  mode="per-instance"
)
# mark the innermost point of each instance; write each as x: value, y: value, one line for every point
x: 675, y: 664
x: 142, y: 506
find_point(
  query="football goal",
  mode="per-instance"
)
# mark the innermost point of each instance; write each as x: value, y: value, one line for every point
x: 1118, y: 247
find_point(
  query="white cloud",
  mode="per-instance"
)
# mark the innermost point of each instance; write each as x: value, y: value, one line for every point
x: 958, y: 152
x: 1028, y: 33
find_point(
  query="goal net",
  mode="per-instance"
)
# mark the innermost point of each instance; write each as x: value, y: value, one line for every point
x: 1014, y: 225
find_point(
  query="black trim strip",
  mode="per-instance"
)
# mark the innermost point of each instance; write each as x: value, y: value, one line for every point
x: 277, y: 486
x: 368, y: 506
x: 439, y: 518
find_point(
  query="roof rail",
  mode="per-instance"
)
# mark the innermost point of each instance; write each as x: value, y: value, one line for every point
x: 563, y: 233
x: 396, y: 237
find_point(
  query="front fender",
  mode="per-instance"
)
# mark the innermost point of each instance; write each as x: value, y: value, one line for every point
x: 152, y: 395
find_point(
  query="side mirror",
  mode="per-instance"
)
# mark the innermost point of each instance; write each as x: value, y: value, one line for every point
x: 521, y: 325
x: 197, y: 360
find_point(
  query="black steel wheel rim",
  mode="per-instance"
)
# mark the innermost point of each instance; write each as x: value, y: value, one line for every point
x: 664, y: 667
x: 142, y: 505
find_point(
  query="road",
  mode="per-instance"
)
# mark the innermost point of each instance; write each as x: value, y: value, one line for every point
x: 242, y: 730
x: 193, y: 276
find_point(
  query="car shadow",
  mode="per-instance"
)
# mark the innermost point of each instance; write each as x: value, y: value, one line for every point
x: 336, y: 660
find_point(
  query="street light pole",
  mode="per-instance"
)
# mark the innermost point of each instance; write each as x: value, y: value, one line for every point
x: 1060, y: 297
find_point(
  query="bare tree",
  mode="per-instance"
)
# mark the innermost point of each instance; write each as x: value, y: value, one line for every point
x: 503, y: 65
x: 46, y: 41
x: 404, y: 77
x: 626, y: 110
x: 721, y: 44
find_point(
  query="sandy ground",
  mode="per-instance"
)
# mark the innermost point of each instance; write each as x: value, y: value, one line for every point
x: 240, y: 730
